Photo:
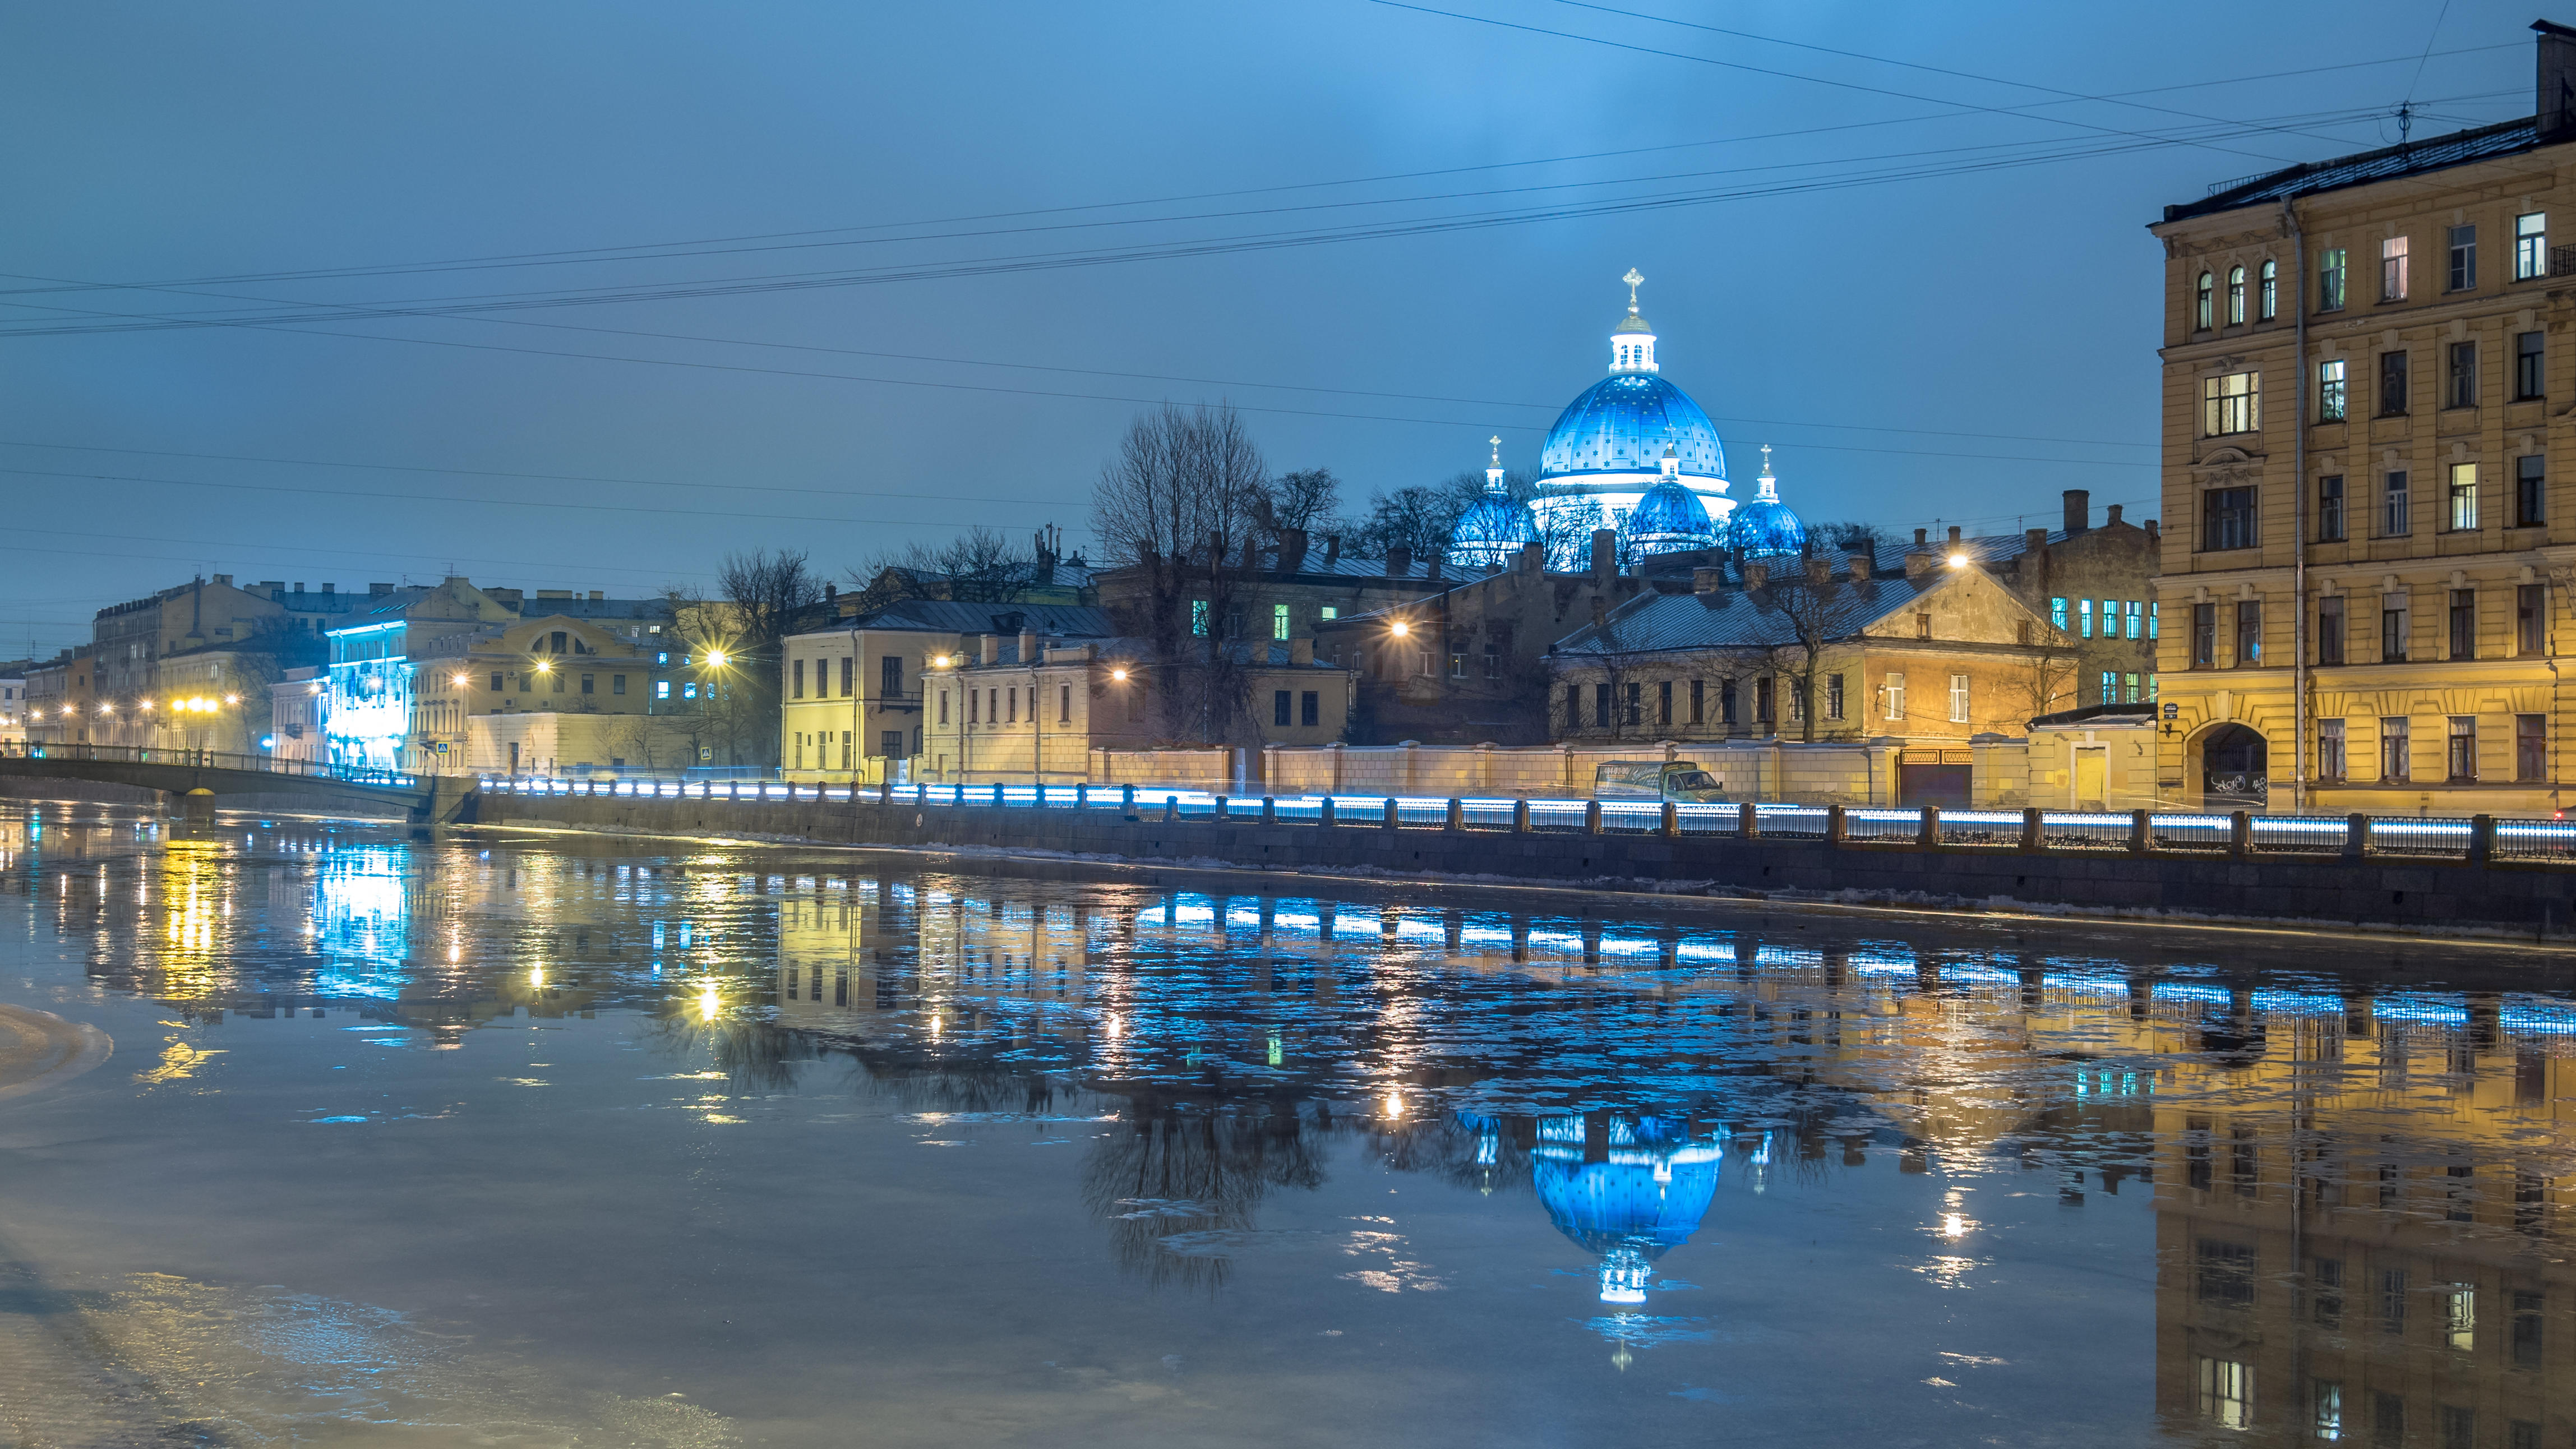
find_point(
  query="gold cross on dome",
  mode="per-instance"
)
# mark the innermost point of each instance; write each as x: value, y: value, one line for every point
x: 1632, y: 279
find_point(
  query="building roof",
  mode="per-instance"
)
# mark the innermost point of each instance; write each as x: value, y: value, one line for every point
x: 2412, y: 158
x: 939, y: 616
x: 2108, y: 714
x: 657, y: 609
x: 1125, y: 648
x: 1739, y: 619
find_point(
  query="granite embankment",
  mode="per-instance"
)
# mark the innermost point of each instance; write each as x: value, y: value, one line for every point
x: 2530, y: 902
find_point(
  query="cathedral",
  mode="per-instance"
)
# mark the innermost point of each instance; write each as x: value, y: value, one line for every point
x: 1631, y: 453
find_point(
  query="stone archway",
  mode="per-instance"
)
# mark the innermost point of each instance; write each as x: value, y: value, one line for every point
x: 2235, y: 772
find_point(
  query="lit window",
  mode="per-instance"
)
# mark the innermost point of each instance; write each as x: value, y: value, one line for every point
x: 1198, y: 617
x: 1958, y: 699
x: 2464, y: 497
x: 2136, y: 614
x: 2267, y: 305
x: 2201, y: 307
x: 2235, y: 295
x: 2057, y: 612
x: 2231, y: 403
x: 1279, y: 621
x: 2330, y: 391
x: 2084, y: 618
x: 2530, y: 245
x: 2392, y: 269
x: 661, y: 689
x: 1895, y: 697
x: 2226, y: 1392
x: 2330, y: 279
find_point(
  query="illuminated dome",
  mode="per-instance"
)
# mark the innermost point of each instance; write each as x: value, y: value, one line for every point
x: 1642, y: 1198
x: 1763, y: 526
x: 1669, y: 518
x: 1490, y: 533
x: 1628, y: 432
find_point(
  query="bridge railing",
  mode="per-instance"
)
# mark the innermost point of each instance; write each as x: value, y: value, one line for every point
x: 204, y: 760
x: 2479, y: 839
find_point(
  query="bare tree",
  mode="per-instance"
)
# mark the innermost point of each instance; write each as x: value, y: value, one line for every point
x: 760, y: 599
x: 1299, y: 501
x: 978, y: 566
x: 1820, y: 606
x: 1565, y: 529
x: 637, y: 742
x: 1181, y: 504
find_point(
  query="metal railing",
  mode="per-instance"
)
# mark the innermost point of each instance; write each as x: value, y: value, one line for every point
x: 2240, y: 834
x: 204, y: 760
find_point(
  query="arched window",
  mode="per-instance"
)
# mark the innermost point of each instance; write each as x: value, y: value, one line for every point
x: 2200, y: 312
x: 2267, y: 303
x: 2235, y: 296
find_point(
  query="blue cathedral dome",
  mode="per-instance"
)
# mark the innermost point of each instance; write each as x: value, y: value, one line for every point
x: 1641, y: 1199
x: 1763, y: 526
x: 1490, y: 533
x: 1622, y: 424
x: 1670, y: 517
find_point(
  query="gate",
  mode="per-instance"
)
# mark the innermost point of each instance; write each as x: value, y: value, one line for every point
x: 1936, y: 777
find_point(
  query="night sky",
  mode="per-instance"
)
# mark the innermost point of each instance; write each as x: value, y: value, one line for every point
x: 1905, y: 245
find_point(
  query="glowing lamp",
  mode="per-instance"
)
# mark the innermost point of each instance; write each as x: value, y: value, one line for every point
x: 106, y: 707
x: 1119, y: 674
x: 716, y: 657
x: 457, y: 679
x: 545, y: 666
x: 232, y: 699
x: 147, y: 704
x: 1400, y: 629
x: 1958, y: 560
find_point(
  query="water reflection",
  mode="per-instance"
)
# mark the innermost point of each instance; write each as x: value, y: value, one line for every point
x: 2356, y: 1166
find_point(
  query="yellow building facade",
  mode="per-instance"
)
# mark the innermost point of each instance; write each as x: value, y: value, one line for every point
x: 2372, y: 540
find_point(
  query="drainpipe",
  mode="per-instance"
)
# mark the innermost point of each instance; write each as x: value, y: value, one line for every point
x: 2299, y: 524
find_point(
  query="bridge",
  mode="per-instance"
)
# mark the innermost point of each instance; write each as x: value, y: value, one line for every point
x: 199, y: 778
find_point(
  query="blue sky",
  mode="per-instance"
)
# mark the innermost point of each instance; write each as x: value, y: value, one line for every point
x: 1904, y: 245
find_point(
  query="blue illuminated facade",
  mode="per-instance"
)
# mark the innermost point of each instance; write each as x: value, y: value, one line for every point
x: 370, y: 693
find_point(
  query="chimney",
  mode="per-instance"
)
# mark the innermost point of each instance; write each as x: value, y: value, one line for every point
x: 224, y: 579
x: 1292, y: 550
x: 2079, y: 511
x: 1819, y: 571
x: 1533, y: 558
x: 1605, y: 553
x: 2554, y: 88
x: 299, y: 586
x: 1954, y: 535
x: 2034, y: 540
x: 1861, y: 565
x: 373, y: 589
x: 1332, y: 548
x: 1757, y: 574
x: 1922, y: 537
x: 327, y: 588
x: 1301, y: 652
x: 1600, y: 613
x: 988, y: 648
x: 830, y: 592
x: 2111, y: 516
x: 1399, y: 562
x: 2152, y: 535
x: 1028, y: 648
x: 1431, y: 567
x: 1707, y: 580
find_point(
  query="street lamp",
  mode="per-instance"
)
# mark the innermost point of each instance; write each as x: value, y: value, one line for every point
x: 716, y: 658
x: 1958, y: 560
x: 1400, y: 628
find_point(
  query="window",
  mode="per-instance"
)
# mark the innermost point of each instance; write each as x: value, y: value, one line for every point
x: 2396, y: 515
x: 2134, y: 612
x: 2249, y: 633
x: 889, y: 677
x: 2459, y: 1427
x: 1601, y: 706
x: 617, y: 684
x: 2129, y: 689
x: 2530, y: 376
x: 1762, y: 700
x: 2110, y: 688
x: 2392, y: 269
x: 2387, y: 1421
x: 1698, y: 701
x: 1279, y: 623
x: 943, y: 706
x: 1199, y: 617
x: 2084, y: 618
x: 496, y: 683
x: 2330, y: 508
x: 1014, y: 702
x: 2392, y: 384
x: 1280, y: 708
x: 2464, y: 623
x: 1458, y: 665
x: 2464, y: 259
x: 798, y: 671
x: 2267, y: 301
x: 1922, y: 626
x: 1636, y: 706
x: 2330, y: 279
x: 1958, y: 699
x: 2230, y: 403
x: 2462, y: 755
x: 2394, y: 627
x: 556, y: 639
x: 2330, y: 755
x: 974, y: 706
x: 2200, y: 315
x: 1663, y: 701
x: 2235, y: 296
x: 1833, y: 696
x: 2330, y: 391
x: 2330, y: 630
x: 2204, y: 636
x: 1797, y: 701
x: 661, y: 689
x: 2526, y: 1329
x: 2226, y: 1392
x: 1309, y: 708
x: 1064, y: 704
x: 1493, y: 661
x: 1329, y: 611
x: 559, y: 681
x: 2530, y: 245
x: 2227, y: 518
x: 2530, y: 491
x: 586, y: 684
x: 2057, y: 612
x: 2223, y: 1273
x: 2325, y: 1410
x: 1896, y: 696
x: 2151, y: 618
x: 2464, y: 375
x: 2394, y: 769
x: 2392, y: 1302
x: 2530, y: 608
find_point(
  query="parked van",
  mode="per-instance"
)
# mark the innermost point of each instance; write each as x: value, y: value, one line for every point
x: 1655, y: 780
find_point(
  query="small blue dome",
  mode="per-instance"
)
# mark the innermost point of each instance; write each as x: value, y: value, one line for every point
x: 1763, y: 526
x: 1490, y: 533
x: 1645, y: 1200
x: 1622, y: 424
x: 1668, y: 518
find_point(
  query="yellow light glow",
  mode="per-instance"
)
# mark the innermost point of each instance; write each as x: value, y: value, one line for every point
x: 537, y: 978
x: 232, y: 699
x: 1394, y: 1105
x: 545, y: 666
x: 105, y: 707
x: 1118, y: 674
x: 1954, y: 1225
x: 1958, y: 560
x: 1400, y: 629
x: 457, y: 680
x: 941, y: 661
x: 708, y: 1002
x: 936, y: 1024
x: 716, y: 657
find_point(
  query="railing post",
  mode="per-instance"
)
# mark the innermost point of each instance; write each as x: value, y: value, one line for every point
x: 997, y: 797
x: 1520, y: 817
x: 1324, y: 811
x: 2481, y: 840
x: 2139, y: 827
x: 1927, y: 832
x: 1748, y: 821
x: 1269, y: 810
x: 1672, y: 822
x: 885, y: 792
x: 1836, y: 826
x: 2356, y: 836
x: 1082, y: 797
x: 1390, y: 817
x: 2240, y: 834
x: 2034, y: 830
x: 1171, y: 809
x: 1592, y: 817
x: 1127, y: 800
x: 1219, y: 817
x: 1457, y: 815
